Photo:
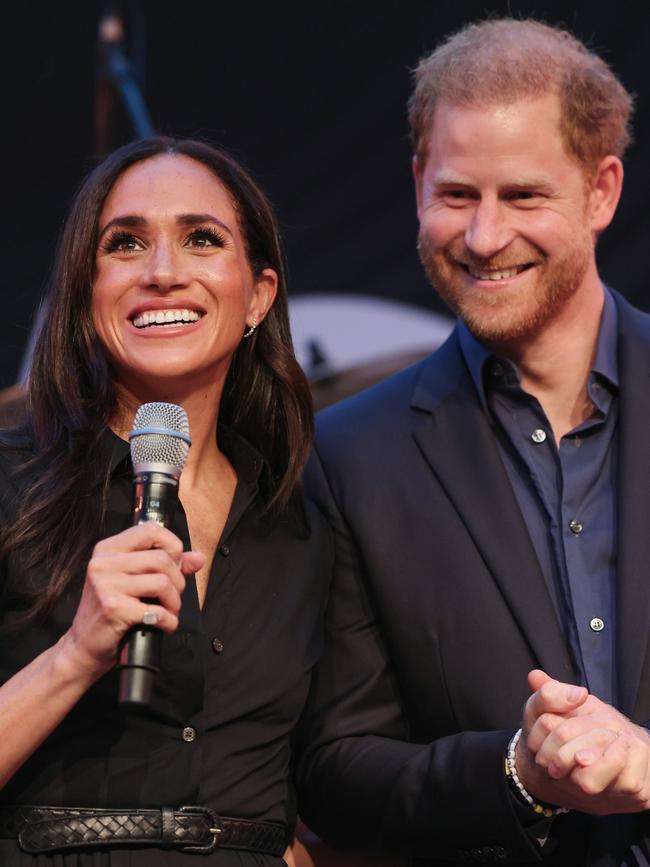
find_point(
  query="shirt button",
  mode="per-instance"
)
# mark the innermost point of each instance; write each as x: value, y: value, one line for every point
x: 538, y: 435
x: 217, y: 645
x: 224, y: 550
x: 188, y: 734
x: 597, y: 624
x: 575, y: 527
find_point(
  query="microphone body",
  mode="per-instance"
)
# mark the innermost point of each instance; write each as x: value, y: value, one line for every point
x: 159, y: 444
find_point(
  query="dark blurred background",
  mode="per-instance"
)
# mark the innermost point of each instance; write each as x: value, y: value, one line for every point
x: 311, y: 96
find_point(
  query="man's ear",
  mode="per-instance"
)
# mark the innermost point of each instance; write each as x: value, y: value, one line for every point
x: 605, y: 192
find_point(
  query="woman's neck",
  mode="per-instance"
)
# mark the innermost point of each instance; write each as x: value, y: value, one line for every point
x: 202, y: 410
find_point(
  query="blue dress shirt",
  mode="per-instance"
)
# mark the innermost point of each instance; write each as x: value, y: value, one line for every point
x: 567, y: 494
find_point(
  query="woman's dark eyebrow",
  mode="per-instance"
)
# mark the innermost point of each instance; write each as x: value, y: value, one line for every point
x: 132, y: 221
x: 195, y: 219
x: 127, y: 220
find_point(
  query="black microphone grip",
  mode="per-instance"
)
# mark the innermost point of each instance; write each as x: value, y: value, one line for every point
x: 155, y: 497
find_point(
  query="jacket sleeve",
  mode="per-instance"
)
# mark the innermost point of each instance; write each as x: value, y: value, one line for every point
x: 362, y: 781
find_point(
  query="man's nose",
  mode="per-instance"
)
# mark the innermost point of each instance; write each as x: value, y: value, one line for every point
x: 489, y: 231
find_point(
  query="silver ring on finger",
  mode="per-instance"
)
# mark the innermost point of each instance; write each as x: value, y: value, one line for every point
x: 149, y: 618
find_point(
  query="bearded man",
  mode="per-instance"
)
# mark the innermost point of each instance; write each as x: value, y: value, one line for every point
x: 490, y: 504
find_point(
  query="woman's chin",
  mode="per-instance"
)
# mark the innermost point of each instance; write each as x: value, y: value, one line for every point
x: 170, y: 382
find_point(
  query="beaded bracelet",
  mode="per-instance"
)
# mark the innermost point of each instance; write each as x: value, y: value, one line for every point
x: 513, y: 778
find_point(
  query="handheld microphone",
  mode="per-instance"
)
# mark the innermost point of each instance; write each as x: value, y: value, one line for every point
x: 159, y: 441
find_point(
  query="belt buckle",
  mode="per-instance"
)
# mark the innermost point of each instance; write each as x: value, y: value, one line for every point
x: 214, y: 827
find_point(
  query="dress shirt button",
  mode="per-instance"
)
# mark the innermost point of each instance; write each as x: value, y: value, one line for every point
x: 224, y: 550
x: 188, y: 734
x: 575, y: 527
x: 217, y: 645
x: 538, y: 435
x: 597, y: 624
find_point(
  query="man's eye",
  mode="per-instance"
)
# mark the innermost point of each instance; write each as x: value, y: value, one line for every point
x: 523, y: 195
x: 457, y: 198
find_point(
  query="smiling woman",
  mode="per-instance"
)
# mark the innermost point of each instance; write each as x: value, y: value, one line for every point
x: 174, y: 291
x: 168, y: 286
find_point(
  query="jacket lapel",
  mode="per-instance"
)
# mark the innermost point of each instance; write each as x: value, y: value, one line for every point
x: 633, y: 550
x: 456, y: 439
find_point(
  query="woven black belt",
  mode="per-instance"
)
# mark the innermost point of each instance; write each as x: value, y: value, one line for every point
x: 191, y: 829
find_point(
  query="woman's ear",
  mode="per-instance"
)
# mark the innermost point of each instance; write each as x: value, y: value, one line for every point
x: 264, y: 292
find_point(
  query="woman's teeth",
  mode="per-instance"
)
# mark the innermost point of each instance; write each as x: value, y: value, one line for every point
x: 165, y: 317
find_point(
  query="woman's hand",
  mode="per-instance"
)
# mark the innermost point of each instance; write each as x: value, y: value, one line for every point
x: 143, y: 562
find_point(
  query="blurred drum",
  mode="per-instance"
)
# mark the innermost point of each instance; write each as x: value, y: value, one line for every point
x: 346, y: 343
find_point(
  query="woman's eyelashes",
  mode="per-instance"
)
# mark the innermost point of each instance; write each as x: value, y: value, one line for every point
x: 119, y: 241
x: 199, y: 238
x: 204, y: 237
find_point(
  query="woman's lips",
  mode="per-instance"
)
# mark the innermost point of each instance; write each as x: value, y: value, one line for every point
x: 164, y: 318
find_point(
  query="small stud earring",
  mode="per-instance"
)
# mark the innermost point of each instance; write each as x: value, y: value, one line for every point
x: 251, y: 328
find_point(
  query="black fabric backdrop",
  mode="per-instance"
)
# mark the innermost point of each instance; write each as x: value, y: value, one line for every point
x: 310, y: 95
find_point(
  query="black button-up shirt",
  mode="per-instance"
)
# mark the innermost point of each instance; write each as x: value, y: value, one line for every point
x: 233, y: 682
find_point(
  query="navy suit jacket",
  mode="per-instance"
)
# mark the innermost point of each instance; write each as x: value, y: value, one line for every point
x: 439, y: 610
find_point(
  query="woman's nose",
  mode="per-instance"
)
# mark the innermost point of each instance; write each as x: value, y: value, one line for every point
x: 165, y: 268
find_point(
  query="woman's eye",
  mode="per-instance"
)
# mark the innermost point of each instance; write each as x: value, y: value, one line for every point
x: 122, y: 242
x: 203, y: 239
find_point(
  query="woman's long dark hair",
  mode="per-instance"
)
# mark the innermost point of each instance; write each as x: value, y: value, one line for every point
x: 71, y: 396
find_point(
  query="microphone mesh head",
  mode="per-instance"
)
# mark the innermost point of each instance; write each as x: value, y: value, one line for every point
x: 160, y: 435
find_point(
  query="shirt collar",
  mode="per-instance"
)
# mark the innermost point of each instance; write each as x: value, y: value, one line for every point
x: 605, y: 365
x: 112, y: 450
x: 247, y: 462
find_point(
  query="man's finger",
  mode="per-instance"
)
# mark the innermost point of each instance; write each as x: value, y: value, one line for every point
x: 582, y: 751
x: 553, y: 697
x: 537, y: 678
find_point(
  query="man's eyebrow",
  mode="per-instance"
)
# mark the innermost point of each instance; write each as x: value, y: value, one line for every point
x: 134, y: 221
x: 447, y: 177
x: 532, y: 181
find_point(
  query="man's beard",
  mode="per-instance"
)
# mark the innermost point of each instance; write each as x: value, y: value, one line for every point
x: 511, y: 313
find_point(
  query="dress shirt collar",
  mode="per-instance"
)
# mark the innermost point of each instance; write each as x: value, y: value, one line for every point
x: 605, y: 367
x: 247, y: 462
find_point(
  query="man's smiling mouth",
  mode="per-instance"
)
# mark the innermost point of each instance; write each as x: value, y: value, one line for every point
x: 495, y: 273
